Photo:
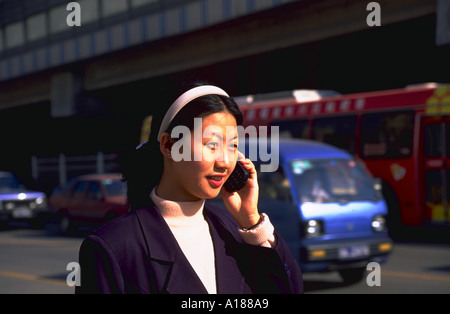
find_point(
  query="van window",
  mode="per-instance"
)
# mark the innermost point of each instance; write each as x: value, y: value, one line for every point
x: 274, y: 186
x: 330, y: 180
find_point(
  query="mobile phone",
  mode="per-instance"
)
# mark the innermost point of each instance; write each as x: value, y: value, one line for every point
x: 237, y: 179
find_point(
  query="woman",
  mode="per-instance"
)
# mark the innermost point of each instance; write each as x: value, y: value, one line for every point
x: 171, y: 242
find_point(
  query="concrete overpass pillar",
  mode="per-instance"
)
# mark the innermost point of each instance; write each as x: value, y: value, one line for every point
x: 65, y: 89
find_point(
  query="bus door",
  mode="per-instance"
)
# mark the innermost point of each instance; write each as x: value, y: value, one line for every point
x: 437, y: 168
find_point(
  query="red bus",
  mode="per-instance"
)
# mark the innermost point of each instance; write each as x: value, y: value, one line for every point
x: 401, y: 135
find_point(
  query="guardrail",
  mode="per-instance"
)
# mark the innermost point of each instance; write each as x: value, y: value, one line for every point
x: 64, y: 167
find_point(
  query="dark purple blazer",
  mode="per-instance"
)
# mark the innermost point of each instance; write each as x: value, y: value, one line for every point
x: 137, y: 253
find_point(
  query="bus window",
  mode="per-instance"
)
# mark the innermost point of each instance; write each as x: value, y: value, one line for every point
x: 433, y: 140
x: 448, y: 138
x: 293, y: 128
x: 433, y: 182
x: 448, y: 196
x: 434, y: 197
x: 387, y: 135
x: 447, y: 126
x: 336, y: 131
x: 448, y: 189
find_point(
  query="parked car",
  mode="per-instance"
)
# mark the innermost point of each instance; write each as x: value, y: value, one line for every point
x: 89, y: 199
x: 19, y: 203
x: 327, y: 208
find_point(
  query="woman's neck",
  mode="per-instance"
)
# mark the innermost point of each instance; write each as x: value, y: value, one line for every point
x: 168, y: 190
x: 179, y: 214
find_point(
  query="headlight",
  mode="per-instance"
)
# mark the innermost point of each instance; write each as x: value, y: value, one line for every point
x: 9, y: 206
x: 40, y: 201
x: 313, y: 228
x: 379, y: 223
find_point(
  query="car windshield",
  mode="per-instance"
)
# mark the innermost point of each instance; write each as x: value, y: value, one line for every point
x: 332, y: 180
x: 114, y: 187
x: 8, y: 182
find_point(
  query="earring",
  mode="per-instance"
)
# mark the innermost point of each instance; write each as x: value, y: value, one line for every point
x: 169, y: 155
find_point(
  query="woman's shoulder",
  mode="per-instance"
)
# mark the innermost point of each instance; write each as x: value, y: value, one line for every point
x: 116, y: 233
x: 130, y: 231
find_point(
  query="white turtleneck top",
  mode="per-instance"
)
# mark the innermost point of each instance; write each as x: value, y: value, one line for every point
x: 191, y: 230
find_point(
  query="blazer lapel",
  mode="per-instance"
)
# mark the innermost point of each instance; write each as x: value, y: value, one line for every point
x: 183, y: 278
x: 168, y: 269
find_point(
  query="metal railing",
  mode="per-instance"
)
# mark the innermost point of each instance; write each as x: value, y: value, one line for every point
x: 58, y: 170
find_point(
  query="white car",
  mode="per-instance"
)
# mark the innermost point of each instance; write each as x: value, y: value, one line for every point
x: 19, y: 203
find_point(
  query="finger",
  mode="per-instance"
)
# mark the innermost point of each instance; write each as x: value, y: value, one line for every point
x: 241, y: 156
x: 248, y: 164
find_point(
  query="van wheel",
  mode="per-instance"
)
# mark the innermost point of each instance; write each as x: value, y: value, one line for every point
x: 352, y: 275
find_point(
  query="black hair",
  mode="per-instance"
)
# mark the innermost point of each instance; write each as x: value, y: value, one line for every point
x: 142, y: 168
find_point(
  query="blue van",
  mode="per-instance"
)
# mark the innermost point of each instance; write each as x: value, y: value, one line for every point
x: 326, y: 206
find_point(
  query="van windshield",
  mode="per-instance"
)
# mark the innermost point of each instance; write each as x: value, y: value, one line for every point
x: 332, y: 180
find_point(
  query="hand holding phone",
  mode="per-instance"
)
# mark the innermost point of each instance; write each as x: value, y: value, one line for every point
x: 243, y: 205
x: 237, y: 179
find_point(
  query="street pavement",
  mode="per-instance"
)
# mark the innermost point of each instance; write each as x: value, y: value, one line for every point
x: 35, y: 261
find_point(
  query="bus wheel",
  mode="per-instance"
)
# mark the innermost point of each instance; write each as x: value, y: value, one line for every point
x: 352, y: 275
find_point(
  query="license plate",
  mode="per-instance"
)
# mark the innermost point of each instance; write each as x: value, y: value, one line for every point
x: 22, y: 213
x: 353, y: 251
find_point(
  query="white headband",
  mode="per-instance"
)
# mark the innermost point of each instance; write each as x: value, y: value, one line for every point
x: 184, y: 99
